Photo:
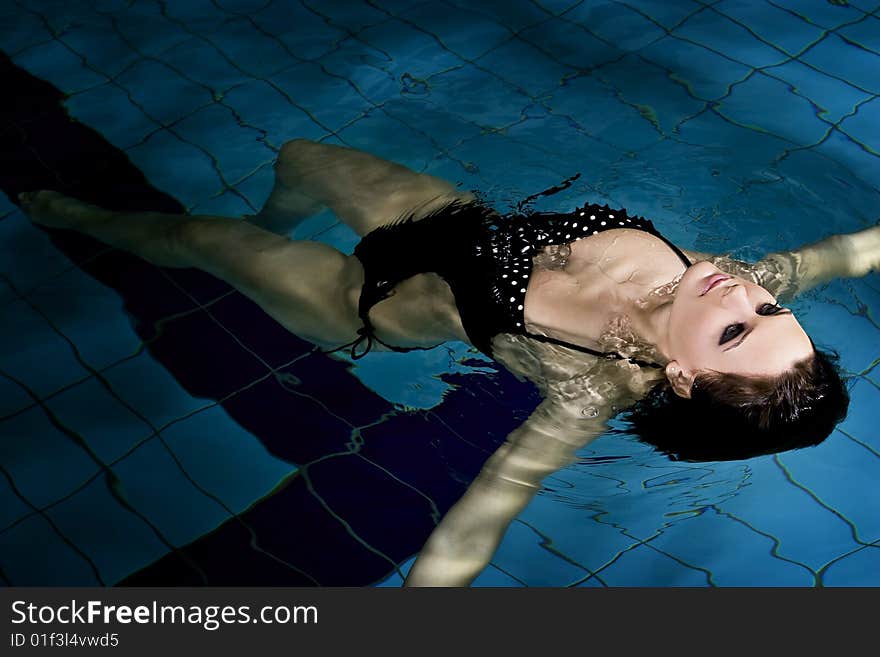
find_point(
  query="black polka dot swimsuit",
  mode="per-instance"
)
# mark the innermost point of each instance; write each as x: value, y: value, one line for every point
x: 485, y: 257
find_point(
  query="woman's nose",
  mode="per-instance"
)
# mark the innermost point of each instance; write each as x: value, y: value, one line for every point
x: 734, y: 294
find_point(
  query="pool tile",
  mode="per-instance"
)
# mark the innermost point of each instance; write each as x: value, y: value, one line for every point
x: 434, y: 122
x: 771, y: 24
x: 856, y: 66
x: 252, y: 51
x: 478, y: 95
x: 203, y: 63
x: 413, y: 107
x: 494, y: 577
x: 191, y: 347
x: 660, y: 101
x: 838, y: 471
x: 116, y: 540
x: 224, y: 459
x: 624, y: 128
x: 360, y: 494
x: 865, y: 33
x: 618, y: 23
x: 44, y: 463
x: 12, y: 507
x: 575, y: 532
x: 830, y: 321
x: 864, y: 126
x: 162, y: 156
x: 156, y: 487
x: 145, y: 29
x: 110, y: 111
x: 700, y: 540
x: 806, y: 532
x: 73, y: 302
x: 13, y: 397
x: 825, y: 14
x: 27, y: 255
x: 395, y: 579
x: 424, y: 55
x: 762, y: 103
x: 294, y: 428
x: 704, y: 73
x: 20, y: 30
x: 35, y: 342
x: 102, y: 49
x: 164, y: 95
x: 236, y: 150
x: 389, y: 135
x: 331, y: 101
x: 483, y: 33
x: 566, y: 44
x: 57, y: 64
x: 227, y: 204
x: 668, y: 14
x: 515, y: 16
x: 725, y: 37
x: 859, y: 569
x: 861, y: 164
x: 90, y: 410
x: 366, y: 68
x: 150, y: 389
x: 199, y: 16
x: 301, y: 30
x: 257, y: 184
x: 32, y: 554
x: 647, y: 566
x: 267, y: 108
x: 523, y: 555
x: 860, y: 425
x: 354, y: 15
x: 834, y: 97
x: 257, y: 332
x: 712, y: 130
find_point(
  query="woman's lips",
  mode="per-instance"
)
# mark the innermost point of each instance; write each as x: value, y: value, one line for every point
x: 712, y: 281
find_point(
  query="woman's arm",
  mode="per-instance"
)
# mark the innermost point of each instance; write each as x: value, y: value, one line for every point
x: 463, y: 543
x: 789, y: 273
x: 850, y: 255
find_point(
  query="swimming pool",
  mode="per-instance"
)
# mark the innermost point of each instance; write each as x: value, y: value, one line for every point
x: 157, y: 428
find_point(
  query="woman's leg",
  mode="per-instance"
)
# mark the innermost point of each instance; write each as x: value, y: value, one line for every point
x: 308, y: 287
x: 362, y: 190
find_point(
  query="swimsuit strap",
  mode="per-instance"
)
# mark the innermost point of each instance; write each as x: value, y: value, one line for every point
x: 586, y: 350
x: 684, y: 259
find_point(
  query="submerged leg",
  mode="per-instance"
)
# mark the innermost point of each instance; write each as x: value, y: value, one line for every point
x: 308, y: 287
x: 363, y: 190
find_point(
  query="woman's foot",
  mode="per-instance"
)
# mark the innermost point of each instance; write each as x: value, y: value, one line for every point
x: 53, y: 209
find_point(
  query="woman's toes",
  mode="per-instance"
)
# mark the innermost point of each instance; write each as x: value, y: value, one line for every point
x: 45, y: 207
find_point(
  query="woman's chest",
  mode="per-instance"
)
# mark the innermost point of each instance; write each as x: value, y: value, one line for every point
x: 604, y: 276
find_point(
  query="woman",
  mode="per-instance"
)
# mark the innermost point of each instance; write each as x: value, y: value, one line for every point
x: 596, y: 307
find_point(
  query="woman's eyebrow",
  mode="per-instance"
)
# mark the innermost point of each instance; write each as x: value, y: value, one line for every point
x: 746, y: 334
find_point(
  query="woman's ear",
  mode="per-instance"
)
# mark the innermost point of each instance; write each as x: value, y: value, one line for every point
x: 682, y: 380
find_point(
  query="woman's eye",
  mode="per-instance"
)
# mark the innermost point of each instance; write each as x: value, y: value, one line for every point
x: 769, y: 308
x: 731, y: 332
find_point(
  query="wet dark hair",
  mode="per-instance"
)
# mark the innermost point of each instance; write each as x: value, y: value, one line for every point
x: 732, y: 416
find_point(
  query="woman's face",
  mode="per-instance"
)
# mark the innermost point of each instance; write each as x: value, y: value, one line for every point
x: 727, y: 324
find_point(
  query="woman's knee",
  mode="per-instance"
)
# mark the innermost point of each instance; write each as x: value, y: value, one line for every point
x: 297, y: 151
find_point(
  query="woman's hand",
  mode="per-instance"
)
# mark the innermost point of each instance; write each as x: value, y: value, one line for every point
x: 851, y: 255
x: 862, y: 252
x: 464, y: 542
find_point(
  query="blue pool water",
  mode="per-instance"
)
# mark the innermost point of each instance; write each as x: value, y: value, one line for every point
x: 155, y: 427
